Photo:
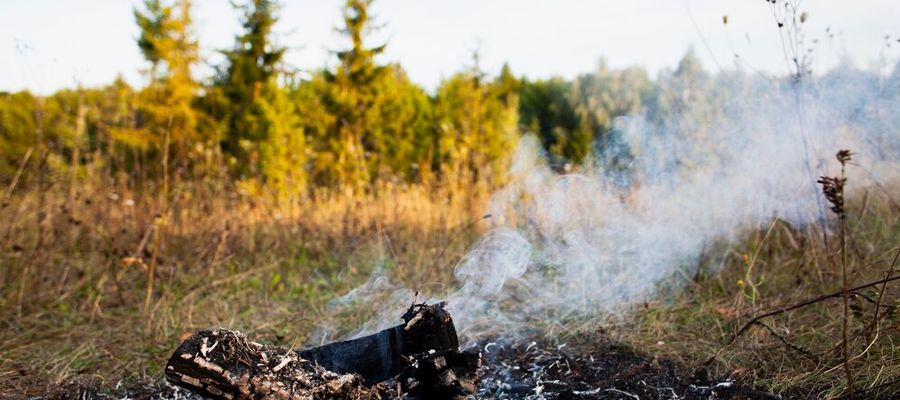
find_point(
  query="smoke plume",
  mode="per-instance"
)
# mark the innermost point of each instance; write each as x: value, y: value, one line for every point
x: 660, y: 190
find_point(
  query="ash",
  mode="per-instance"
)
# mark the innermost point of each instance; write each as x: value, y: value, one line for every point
x: 529, y: 371
x: 534, y: 371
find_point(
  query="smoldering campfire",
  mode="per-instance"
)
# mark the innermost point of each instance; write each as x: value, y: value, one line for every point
x: 422, y: 359
x: 419, y: 358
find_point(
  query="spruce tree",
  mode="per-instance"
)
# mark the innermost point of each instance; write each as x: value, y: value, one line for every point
x: 283, y: 155
x: 248, y: 80
x: 368, y: 120
x: 352, y: 97
x: 151, y: 22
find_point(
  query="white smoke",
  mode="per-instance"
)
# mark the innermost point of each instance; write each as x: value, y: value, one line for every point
x: 661, y: 191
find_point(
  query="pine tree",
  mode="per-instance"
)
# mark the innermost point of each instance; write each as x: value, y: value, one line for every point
x: 508, y: 85
x: 684, y: 92
x: 283, y: 155
x: 378, y: 124
x: 398, y: 134
x: 317, y: 122
x: 151, y: 22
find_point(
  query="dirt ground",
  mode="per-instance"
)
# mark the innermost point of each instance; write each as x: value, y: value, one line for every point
x: 530, y: 370
x: 604, y: 371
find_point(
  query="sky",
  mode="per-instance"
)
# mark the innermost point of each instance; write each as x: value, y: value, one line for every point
x: 46, y: 45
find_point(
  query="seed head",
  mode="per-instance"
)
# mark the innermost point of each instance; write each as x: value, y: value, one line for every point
x: 833, y: 189
x: 844, y: 156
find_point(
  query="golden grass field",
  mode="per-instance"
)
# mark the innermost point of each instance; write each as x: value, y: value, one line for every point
x: 100, y: 282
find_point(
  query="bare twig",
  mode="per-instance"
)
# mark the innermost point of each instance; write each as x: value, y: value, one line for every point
x: 15, y: 180
x: 791, y: 307
x: 889, y: 383
x: 843, y: 157
x: 833, y: 189
x: 888, y: 275
x: 787, y: 342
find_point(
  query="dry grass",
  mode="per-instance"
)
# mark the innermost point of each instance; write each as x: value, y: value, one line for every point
x: 105, y: 280
x: 801, y: 349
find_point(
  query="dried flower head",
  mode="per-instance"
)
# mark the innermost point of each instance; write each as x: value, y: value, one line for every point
x: 833, y: 186
x: 833, y: 189
x: 844, y: 156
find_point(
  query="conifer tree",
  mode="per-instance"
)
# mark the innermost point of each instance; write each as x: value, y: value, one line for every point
x: 508, y: 85
x: 167, y: 42
x: 352, y: 97
x: 400, y: 137
x: 685, y: 91
x: 477, y: 127
x: 380, y: 122
x: 547, y: 110
x: 602, y: 96
x: 246, y: 82
x: 263, y: 135
x: 151, y: 21
x: 283, y: 153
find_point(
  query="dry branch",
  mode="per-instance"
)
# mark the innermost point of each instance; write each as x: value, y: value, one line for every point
x: 792, y: 307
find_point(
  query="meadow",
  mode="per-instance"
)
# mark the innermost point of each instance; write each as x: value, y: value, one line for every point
x: 100, y: 283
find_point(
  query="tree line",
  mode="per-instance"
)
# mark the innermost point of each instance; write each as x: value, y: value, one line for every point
x: 261, y: 123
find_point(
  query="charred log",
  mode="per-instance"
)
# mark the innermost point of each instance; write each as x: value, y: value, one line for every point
x: 422, y: 354
x: 223, y: 364
x: 386, y: 354
x: 447, y: 375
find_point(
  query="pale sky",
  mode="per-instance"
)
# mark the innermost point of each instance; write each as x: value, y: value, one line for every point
x: 49, y: 44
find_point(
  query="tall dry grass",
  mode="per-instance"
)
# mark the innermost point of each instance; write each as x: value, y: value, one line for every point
x: 799, y: 353
x: 104, y: 279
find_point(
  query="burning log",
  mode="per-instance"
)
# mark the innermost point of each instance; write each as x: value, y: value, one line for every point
x: 422, y: 355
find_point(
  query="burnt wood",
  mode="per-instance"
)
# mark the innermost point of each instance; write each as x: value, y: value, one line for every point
x: 447, y: 375
x: 223, y: 364
x: 385, y: 354
x: 422, y: 354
